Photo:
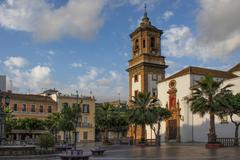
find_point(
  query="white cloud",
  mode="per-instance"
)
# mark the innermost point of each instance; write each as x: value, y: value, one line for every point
x: 219, y: 26
x: 51, y: 52
x: 178, y: 41
x: 218, y: 33
x: 105, y: 85
x: 86, y: 80
x: 39, y: 76
x: 111, y: 77
x: 81, y: 18
x: 34, y: 79
x: 15, y: 62
x: 138, y: 3
x: 76, y: 65
x: 167, y: 15
x: 77, y: 18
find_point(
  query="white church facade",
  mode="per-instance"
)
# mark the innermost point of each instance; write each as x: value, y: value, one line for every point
x: 184, y: 126
x: 146, y: 71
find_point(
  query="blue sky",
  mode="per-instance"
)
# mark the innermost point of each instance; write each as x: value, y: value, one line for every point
x: 84, y: 44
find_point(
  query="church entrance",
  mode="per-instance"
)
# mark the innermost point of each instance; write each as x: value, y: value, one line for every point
x: 172, y: 129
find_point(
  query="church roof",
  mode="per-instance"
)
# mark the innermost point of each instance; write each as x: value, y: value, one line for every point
x: 201, y: 71
x: 28, y: 97
x: 235, y: 68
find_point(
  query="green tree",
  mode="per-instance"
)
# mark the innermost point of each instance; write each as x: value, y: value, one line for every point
x: 231, y: 106
x: 10, y: 122
x: 139, y: 114
x: 46, y: 141
x: 65, y: 123
x: 103, y: 119
x: 204, y: 99
x: 30, y: 124
x: 76, y: 120
x: 71, y: 119
x: 52, y: 123
x: 158, y: 114
x: 119, y: 120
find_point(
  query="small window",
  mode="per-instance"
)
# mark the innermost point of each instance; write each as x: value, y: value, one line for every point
x: 135, y: 93
x: 152, y: 42
x: 136, y: 44
x: 154, y: 92
x: 33, y: 108
x: 85, y: 108
x: 41, y: 109
x: 24, y: 108
x: 49, y: 109
x: 144, y: 45
x: 15, y: 108
x: 136, y: 78
x: 85, y: 135
x: 154, y: 77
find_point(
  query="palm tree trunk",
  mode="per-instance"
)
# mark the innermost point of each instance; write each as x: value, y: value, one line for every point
x: 212, y: 133
x: 143, y: 133
x: 135, y: 132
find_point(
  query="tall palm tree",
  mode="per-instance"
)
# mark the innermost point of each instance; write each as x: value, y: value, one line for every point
x: 204, y: 99
x: 139, y: 115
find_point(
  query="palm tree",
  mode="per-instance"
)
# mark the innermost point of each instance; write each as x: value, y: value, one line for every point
x: 139, y: 114
x: 204, y: 99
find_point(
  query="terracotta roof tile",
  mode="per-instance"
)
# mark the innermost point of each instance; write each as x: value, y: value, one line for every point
x: 235, y: 68
x: 201, y: 71
x: 28, y: 97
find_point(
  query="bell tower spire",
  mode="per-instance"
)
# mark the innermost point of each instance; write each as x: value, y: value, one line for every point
x: 147, y: 65
x: 145, y: 10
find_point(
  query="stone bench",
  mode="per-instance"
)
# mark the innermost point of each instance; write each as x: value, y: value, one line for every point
x: 74, y: 155
x: 97, y: 151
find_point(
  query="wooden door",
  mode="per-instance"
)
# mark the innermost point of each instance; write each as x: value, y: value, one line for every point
x: 172, y: 129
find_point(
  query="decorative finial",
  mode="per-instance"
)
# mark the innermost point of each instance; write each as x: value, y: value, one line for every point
x: 145, y: 10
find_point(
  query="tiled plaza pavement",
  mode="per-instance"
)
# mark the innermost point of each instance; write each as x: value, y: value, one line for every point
x: 166, y: 152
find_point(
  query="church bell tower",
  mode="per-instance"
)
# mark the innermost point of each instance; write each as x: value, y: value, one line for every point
x: 147, y: 65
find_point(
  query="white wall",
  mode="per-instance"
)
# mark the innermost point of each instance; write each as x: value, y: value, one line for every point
x: 182, y: 86
x: 235, y: 82
x: 194, y: 127
x: 151, y: 84
x: 136, y: 85
x: 237, y: 73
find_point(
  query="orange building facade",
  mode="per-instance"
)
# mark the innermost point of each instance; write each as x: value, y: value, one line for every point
x: 28, y: 106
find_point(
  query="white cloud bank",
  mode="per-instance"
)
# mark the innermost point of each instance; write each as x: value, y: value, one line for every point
x: 15, y: 62
x: 81, y: 18
x: 104, y: 85
x: 218, y: 32
x: 34, y: 78
x: 77, y: 18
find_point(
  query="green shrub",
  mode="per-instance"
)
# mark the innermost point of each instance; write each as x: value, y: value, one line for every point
x: 46, y: 141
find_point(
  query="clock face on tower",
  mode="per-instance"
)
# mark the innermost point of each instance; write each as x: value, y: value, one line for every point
x: 172, y: 84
